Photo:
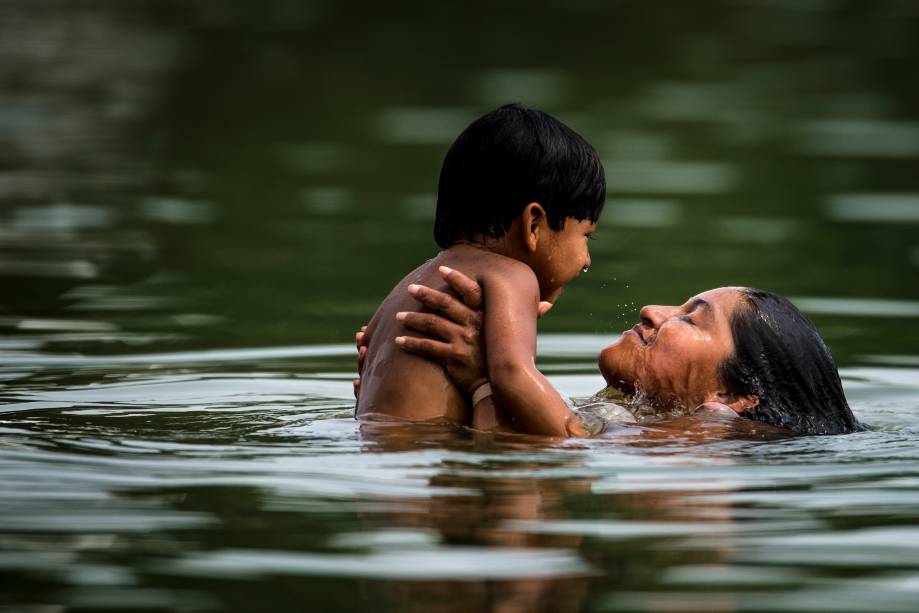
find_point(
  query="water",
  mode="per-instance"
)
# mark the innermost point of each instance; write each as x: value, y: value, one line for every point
x: 200, y: 203
x: 238, y: 480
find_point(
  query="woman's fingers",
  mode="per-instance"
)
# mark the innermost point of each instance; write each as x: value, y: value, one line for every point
x: 425, y: 347
x: 468, y: 289
x: 361, y: 357
x: 543, y: 308
x: 430, y: 323
x: 444, y: 303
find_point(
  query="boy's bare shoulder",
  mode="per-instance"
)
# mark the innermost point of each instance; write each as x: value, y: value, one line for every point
x: 489, y: 267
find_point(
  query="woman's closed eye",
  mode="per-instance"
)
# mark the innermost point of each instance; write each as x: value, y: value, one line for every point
x: 697, y: 306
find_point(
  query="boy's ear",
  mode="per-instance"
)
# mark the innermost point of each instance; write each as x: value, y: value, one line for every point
x: 532, y: 221
x: 738, y: 403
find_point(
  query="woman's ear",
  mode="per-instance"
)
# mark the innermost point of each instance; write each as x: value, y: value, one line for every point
x: 532, y: 222
x: 737, y: 402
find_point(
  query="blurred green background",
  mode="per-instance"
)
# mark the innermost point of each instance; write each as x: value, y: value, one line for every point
x: 225, y: 173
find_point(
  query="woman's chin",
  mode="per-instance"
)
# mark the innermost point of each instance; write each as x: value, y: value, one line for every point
x: 612, y: 359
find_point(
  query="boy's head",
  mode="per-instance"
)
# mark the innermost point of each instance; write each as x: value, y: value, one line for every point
x: 508, y: 159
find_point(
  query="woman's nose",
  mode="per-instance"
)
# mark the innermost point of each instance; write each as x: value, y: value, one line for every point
x: 654, y: 315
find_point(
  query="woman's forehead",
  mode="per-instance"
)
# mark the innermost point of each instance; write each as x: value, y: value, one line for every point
x: 719, y: 299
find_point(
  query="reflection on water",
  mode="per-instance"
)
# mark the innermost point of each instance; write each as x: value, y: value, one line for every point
x: 207, y: 486
x: 862, y: 138
x: 175, y: 171
x: 877, y: 208
x: 200, y: 203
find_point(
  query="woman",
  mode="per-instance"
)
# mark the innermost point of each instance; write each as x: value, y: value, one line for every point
x: 736, y: 351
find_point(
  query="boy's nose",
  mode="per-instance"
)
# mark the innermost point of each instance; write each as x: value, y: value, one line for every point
x: 654, y: 315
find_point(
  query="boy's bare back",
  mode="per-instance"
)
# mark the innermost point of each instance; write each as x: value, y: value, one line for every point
x: 396, y: 384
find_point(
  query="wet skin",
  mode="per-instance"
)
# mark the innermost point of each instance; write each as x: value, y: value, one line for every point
x: 531, y: 263
x: 673, y: 355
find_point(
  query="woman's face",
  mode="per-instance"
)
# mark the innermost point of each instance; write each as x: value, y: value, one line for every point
x: 673, y: 356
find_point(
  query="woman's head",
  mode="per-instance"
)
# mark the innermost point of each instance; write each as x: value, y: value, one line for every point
x: 751, y: 350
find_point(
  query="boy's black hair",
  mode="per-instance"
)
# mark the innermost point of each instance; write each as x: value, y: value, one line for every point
x: 508, y: 158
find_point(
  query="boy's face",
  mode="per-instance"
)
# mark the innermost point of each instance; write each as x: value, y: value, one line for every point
x: 563, y: 256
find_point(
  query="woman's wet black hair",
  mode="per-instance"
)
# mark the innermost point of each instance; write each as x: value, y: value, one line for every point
x: 780, y: 358
x: 507, y: 159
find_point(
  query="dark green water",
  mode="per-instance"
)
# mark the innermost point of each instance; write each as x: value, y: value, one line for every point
x: 200, y: 202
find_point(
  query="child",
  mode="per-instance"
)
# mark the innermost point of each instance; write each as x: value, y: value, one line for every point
x: 518, y: 199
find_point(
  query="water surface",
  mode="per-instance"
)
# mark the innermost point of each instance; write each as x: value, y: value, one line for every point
x: 200, y: 202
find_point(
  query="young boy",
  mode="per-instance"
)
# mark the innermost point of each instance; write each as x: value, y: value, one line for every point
x: 518, y: 198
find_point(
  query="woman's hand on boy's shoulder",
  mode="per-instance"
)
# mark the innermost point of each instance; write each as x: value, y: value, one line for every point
x: 458, y: 324
x: 456, y: 328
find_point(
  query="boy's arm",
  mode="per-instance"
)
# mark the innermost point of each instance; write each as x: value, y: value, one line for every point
x: 511, y: 296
